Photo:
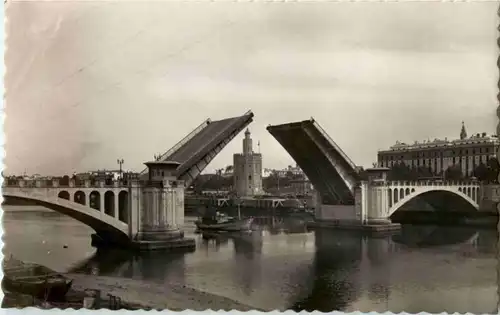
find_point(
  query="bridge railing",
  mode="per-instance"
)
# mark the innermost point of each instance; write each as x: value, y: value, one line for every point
x: 426, y: 183
x: 57, y: 183
x: 182, y: 142
x: 334, y: 144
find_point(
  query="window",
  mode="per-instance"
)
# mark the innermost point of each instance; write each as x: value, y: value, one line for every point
x: 249, y: 177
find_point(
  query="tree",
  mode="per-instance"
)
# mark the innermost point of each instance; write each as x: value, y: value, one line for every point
x: 481, y: 172
x: 424, y: 172
x: 453, y: 172
x: 400, y: 171
x: 229, y: 169
x: 493, y: 170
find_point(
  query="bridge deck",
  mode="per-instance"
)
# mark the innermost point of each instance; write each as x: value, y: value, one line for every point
x: 328, y: 168
x: 201, y: 143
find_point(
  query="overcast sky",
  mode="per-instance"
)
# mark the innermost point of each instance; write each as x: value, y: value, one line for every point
x: 89, y: 82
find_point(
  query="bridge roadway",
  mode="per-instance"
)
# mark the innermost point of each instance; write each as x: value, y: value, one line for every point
x: 195, y: 151
x: 328, y: 168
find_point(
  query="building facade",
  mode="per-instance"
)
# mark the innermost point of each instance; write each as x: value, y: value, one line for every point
x: 247, y: 170
x: 438, y: 155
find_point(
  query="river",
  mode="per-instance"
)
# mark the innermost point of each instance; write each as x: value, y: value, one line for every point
x: 283, y: 266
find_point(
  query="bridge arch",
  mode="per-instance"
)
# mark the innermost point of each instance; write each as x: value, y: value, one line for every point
x: 104, y: 225
x: 95, y: 200
x: 64, y: 195
x: 389, y: 196
x: 79, y: 197
x: 109, y: 203
x: 434, y: 190
x: 396, y: 195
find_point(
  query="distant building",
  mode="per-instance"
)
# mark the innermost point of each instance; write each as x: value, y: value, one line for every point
x: 294, y: 171
x: 301, y: 187
x: 247, y: 170
x: 438, y: 155
x: 106, y: 175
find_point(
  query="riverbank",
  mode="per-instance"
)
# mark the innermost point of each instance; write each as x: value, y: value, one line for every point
x: 149, y: 295
x: 132, y: 293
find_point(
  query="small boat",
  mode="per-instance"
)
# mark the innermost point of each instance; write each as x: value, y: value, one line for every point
x: 224, y: 223
x: 51, y: 288
x: 34, y: 280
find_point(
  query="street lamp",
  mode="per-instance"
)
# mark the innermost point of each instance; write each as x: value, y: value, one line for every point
x: 120, y: 162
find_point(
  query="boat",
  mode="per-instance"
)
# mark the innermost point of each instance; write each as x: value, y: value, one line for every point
x: 221, y: 222
x: 35, y: 280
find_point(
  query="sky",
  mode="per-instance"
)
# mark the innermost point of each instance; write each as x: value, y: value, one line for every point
x: 89, y: 82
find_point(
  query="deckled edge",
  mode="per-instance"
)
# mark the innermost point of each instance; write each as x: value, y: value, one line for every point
x: 3, y: 72
x: 498, y: 158
x: 34, y: 310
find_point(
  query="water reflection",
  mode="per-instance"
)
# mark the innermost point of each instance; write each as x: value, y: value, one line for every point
x: 326, y: 270
x: 354, y: 272
x: 428, y: 236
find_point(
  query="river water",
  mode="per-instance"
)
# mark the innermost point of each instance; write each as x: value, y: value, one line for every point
x: 283, y: 266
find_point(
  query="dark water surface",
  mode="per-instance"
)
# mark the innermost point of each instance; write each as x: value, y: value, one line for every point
x: 282, y: 266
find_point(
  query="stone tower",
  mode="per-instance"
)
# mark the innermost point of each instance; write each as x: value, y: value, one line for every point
x: 247, y: 170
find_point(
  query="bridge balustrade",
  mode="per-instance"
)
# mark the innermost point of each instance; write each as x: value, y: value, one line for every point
x: 427, y: 183
x: 56, y: 183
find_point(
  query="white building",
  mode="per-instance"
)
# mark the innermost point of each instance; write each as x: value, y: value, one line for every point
x: 438, y: 155
x: 247, y: 170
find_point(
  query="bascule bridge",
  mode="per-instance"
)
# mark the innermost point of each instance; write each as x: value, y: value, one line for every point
x: 147, y: 213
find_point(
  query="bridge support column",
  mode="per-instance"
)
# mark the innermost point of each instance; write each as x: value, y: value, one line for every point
x: 370, y: 211
x: 162, y: 210
x: 116, y: 212
x: 134, y: 206
x: 101, y: 203
x: 375, y: 204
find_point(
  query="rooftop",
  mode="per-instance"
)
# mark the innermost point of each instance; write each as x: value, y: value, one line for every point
x: 477, y: 138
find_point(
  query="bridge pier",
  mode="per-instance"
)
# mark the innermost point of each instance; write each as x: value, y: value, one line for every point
x: 158, y: 210
x: 369, y: 211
